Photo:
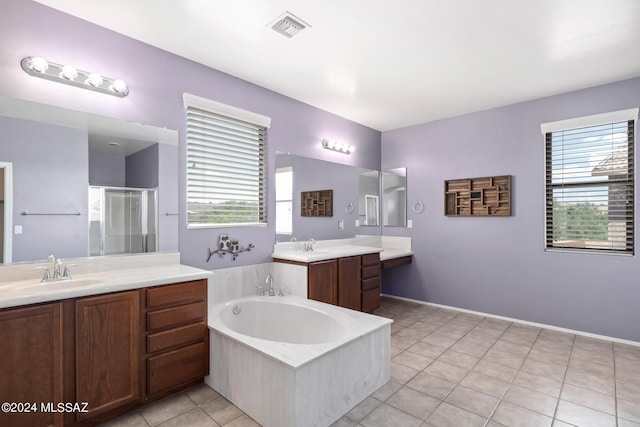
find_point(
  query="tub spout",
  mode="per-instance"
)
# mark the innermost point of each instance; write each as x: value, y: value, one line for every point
x: 269, y: 281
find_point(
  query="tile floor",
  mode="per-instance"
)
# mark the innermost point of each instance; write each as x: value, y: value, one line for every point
x: 457, y: 369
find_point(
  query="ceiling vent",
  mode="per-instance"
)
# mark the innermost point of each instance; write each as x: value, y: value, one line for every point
x: 288, y: 24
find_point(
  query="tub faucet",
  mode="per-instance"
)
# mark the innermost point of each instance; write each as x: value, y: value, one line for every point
x: 308, y: 247
x: 269, y: 281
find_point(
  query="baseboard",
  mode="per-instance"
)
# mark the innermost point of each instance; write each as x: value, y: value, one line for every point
x: 523, y: 322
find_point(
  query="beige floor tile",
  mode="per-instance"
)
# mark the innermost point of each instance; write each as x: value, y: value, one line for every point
x: 446, y: 371
x: 489, y: 385
x: 589, y: 398
x: 413, y: 334
x: 194, y: 418
x: 394, y: 351
x: 583, y: 416
x: 628, y: 370
x: 447, y: 415
x: 626, y: 351
x: 385, y: 392
x: 201, y: 394
x: 433, y: 386
x: 133, y: 419
x: 402, y: 342
x: 412, y: 360
x: 589, y: 368
x: 221, y: 410
x: 538, y: 383
x: 473, y: 401
x: 629, y: 410
x: 512, y: 415
x: 426, y: 349
x: 473, y: 346
x: 530, y: 399
x: 544, y: 369
x: 388, y: 416
x: 496, y: 370
x: 440, y: 340
x: 401, y: 373
x: 511, y: 347
x: 363, y: 409
x: 505, y: 359
x: 460, y: 360
x: 413, y: 402
x: 344, y: 422
x: 167, y: 408
x: 592, y: 382
x: 557, y: 357
x: 628, y: 391
x: 242, y: 421
x: 626, y: 423
x: 603, y: 357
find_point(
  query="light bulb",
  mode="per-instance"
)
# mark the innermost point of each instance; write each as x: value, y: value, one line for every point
x: 94, y: 79
x: 38, y: 64
x: 69, y: 72
x: 352, y: 148
x: 118, y: 86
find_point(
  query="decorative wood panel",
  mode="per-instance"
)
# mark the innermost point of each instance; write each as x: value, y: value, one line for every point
x: 486, y: 196
x: 317, y: 203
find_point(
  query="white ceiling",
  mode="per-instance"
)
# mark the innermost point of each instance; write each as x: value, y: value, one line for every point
x: 389, y: 64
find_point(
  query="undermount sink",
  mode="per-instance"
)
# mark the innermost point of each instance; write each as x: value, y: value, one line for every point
x: 35, y: 284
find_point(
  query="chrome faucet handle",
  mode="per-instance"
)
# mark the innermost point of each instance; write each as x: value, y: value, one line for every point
x: 46, y: 276
x: 259, y: 290
x: 67, y: 272
x: 56, y: 269
x: 282, y: 291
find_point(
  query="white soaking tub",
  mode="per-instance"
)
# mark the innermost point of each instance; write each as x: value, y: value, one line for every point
x: 290, y: 361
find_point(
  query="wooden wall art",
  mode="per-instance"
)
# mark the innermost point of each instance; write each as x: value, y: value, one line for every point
x: 317, y: 203
x: 487, y: 196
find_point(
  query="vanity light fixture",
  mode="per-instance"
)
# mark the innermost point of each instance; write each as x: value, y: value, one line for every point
x: 338, y: 146
x: 68, y: 74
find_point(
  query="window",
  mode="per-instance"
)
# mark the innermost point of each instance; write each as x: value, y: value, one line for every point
x: 284, y: 200
x: 589, y: 183
x: 226, y: 167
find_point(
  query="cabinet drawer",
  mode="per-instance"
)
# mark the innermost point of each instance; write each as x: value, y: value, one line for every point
x: 372, y: 283
x: 178, y: 367
x: 371, y: 271
x: 370, y: 300
x: 176, y: 316
x: 370, y: 259
x: 180, y: 293
x: 176, y: 337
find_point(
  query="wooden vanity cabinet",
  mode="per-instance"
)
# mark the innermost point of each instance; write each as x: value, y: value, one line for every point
x: 114, y: 351
x: 349, y: 292
x: 108, y: 352
x: 322, y: 281
x: 370, y: 282
x: 31, y: 363
x: 177, y: 336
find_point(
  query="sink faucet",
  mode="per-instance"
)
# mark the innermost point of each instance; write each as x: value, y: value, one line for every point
x: 269, y: 281
x: 308, y: 247
x: 57, y: 263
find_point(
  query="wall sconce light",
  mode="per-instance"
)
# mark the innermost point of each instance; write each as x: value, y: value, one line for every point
x: 338, y: 146
x: 40, y: 67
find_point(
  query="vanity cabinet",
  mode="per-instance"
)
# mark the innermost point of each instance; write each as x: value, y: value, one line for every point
x: 107, y: 352
x: 177, y: 338
x: 351, y: 282
x: 115, y: 351
x: 31, y: 363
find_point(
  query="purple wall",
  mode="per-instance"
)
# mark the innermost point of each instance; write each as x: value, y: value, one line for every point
x: 44, y: 182
x: 157, y: 80
x: 499, y: 265
x: 142, y: 168
x: 107, y: 169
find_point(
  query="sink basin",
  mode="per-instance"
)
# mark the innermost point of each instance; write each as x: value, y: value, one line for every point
x: 36, y: 285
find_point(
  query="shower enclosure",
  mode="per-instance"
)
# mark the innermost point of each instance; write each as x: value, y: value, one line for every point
x: 122, y: 220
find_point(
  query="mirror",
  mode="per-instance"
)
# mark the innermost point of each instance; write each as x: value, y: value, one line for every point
x: 394, y: 197
x: 369, y: 198
x: 56, y: 154
x: 295, y: 174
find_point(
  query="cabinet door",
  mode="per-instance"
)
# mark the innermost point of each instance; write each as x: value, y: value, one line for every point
x: 323, y: 281
x: 349, y: 287
x: 31, y: 363
x: 107, y: 352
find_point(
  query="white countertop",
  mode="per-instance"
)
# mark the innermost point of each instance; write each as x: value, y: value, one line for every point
x: 22, y: 292
x: 388, y: 248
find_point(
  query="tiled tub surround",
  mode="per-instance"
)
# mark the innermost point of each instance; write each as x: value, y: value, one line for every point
x: 280, y: 383
x: 19, y: 283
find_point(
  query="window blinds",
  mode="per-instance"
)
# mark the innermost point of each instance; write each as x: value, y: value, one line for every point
x: 226, y: 182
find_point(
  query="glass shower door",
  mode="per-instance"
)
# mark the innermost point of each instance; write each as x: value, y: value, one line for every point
x: 123, y: 220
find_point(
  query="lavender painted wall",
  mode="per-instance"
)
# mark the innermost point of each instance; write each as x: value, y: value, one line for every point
x: 142, y: 168
x: 44, y: 182
x: 157, y: 80
x: 499, y: 265
x: 107, y: 169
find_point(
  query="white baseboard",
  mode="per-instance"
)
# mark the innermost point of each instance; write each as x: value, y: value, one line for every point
x: 524, y: 322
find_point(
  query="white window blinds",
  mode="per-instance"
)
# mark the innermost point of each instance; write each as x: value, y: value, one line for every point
x: 590, y: 188
x: 226, y: 168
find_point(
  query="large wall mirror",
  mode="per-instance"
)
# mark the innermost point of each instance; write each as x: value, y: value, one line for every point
x: 394, y: 197
x: 352, y: 187
x: 83, y: 184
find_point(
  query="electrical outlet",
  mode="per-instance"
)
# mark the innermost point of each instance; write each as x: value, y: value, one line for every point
x: 409, y: 223
x: 341, y: 224
x: 17, y: 229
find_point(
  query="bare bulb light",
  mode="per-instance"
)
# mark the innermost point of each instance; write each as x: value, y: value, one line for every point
x: 38, y: 64
x: 69, y: 72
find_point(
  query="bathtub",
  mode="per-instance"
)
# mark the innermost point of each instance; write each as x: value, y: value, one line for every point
x: 290, y: 361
